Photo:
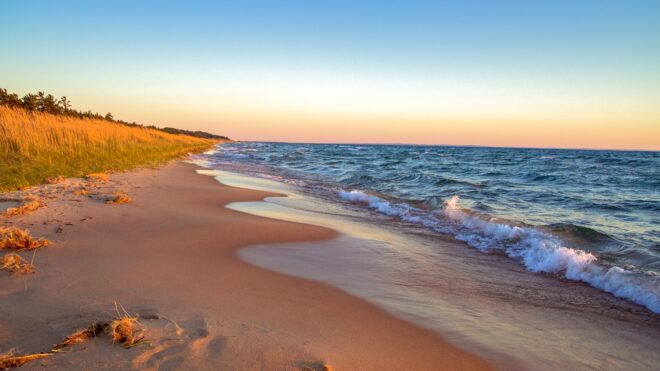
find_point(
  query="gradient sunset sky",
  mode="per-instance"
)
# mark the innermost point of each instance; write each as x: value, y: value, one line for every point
x: 578, y: 74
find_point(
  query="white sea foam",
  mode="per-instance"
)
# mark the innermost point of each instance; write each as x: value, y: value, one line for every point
x: 542, y: 252
x: 537, y: 250
x: 374, y: 202
x: 403, y: 211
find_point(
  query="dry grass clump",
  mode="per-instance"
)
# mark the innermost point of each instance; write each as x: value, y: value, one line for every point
x: 20, y: 239
x: 10, y: 360
x: 118, y: 198
x: 126, y: 330
x: 27, y: 205
x: 94, y: 330
x: 97, y: 177
x: 24, y: 208
x: 13, y: 263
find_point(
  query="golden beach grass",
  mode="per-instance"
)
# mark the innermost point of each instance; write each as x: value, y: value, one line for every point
x: 38, y: 146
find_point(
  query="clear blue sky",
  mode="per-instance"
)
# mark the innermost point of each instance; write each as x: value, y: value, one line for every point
x: 244, y: 67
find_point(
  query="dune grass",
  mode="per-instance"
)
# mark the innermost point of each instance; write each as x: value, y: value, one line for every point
x: 37, y: 146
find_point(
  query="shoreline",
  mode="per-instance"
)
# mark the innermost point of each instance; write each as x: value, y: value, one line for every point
x: 506, y: 315
x: 171, y: 254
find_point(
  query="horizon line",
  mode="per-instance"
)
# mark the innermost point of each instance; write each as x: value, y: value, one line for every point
x: 453, y: 145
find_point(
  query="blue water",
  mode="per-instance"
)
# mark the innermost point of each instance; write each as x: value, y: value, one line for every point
x: 591, y: 216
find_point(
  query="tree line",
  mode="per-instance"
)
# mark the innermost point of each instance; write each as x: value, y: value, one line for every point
x: 47, y: 103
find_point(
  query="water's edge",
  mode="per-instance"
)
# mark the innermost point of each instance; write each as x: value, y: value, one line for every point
x: 461, y: 311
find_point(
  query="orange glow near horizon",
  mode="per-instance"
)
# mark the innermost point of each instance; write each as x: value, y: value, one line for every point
x: 494, y: 132
x: 554, y: 132
x: 382, y: 111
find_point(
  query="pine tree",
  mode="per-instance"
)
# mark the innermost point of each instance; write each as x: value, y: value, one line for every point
x: 50, y: 105
x: 30, y: 102
x: 65, y: 103
x: 41, y: 96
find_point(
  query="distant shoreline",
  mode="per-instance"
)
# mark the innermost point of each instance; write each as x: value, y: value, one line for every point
x: 457, y: 146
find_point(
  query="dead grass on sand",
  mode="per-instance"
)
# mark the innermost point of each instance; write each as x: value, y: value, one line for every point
x: 14, y: 263
x: 127, y: 331
x: 94, y: 330
x: 10, y: 360
x: 124, y: 329
x: 26, y: 205
x: 118, y: 198
x: 20, y: 239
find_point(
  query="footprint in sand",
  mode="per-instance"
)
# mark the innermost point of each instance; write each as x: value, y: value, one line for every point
x: 194, y: 343
x: 195, y: 328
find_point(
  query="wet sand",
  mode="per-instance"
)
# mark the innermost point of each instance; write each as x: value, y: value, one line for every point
x: 170, y: 257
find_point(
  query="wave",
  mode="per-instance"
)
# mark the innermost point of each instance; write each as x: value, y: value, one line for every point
x: 444, y: 181
x: 538, y: 251
x: 584, y: 234
x: 542, y: 178
x: 377, y: 203
x: 358, y: 179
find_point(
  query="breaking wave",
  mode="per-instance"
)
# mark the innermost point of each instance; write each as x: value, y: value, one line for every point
x: 539, y: 251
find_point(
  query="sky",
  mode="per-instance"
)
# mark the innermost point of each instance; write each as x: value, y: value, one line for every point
x: 571, y: 74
